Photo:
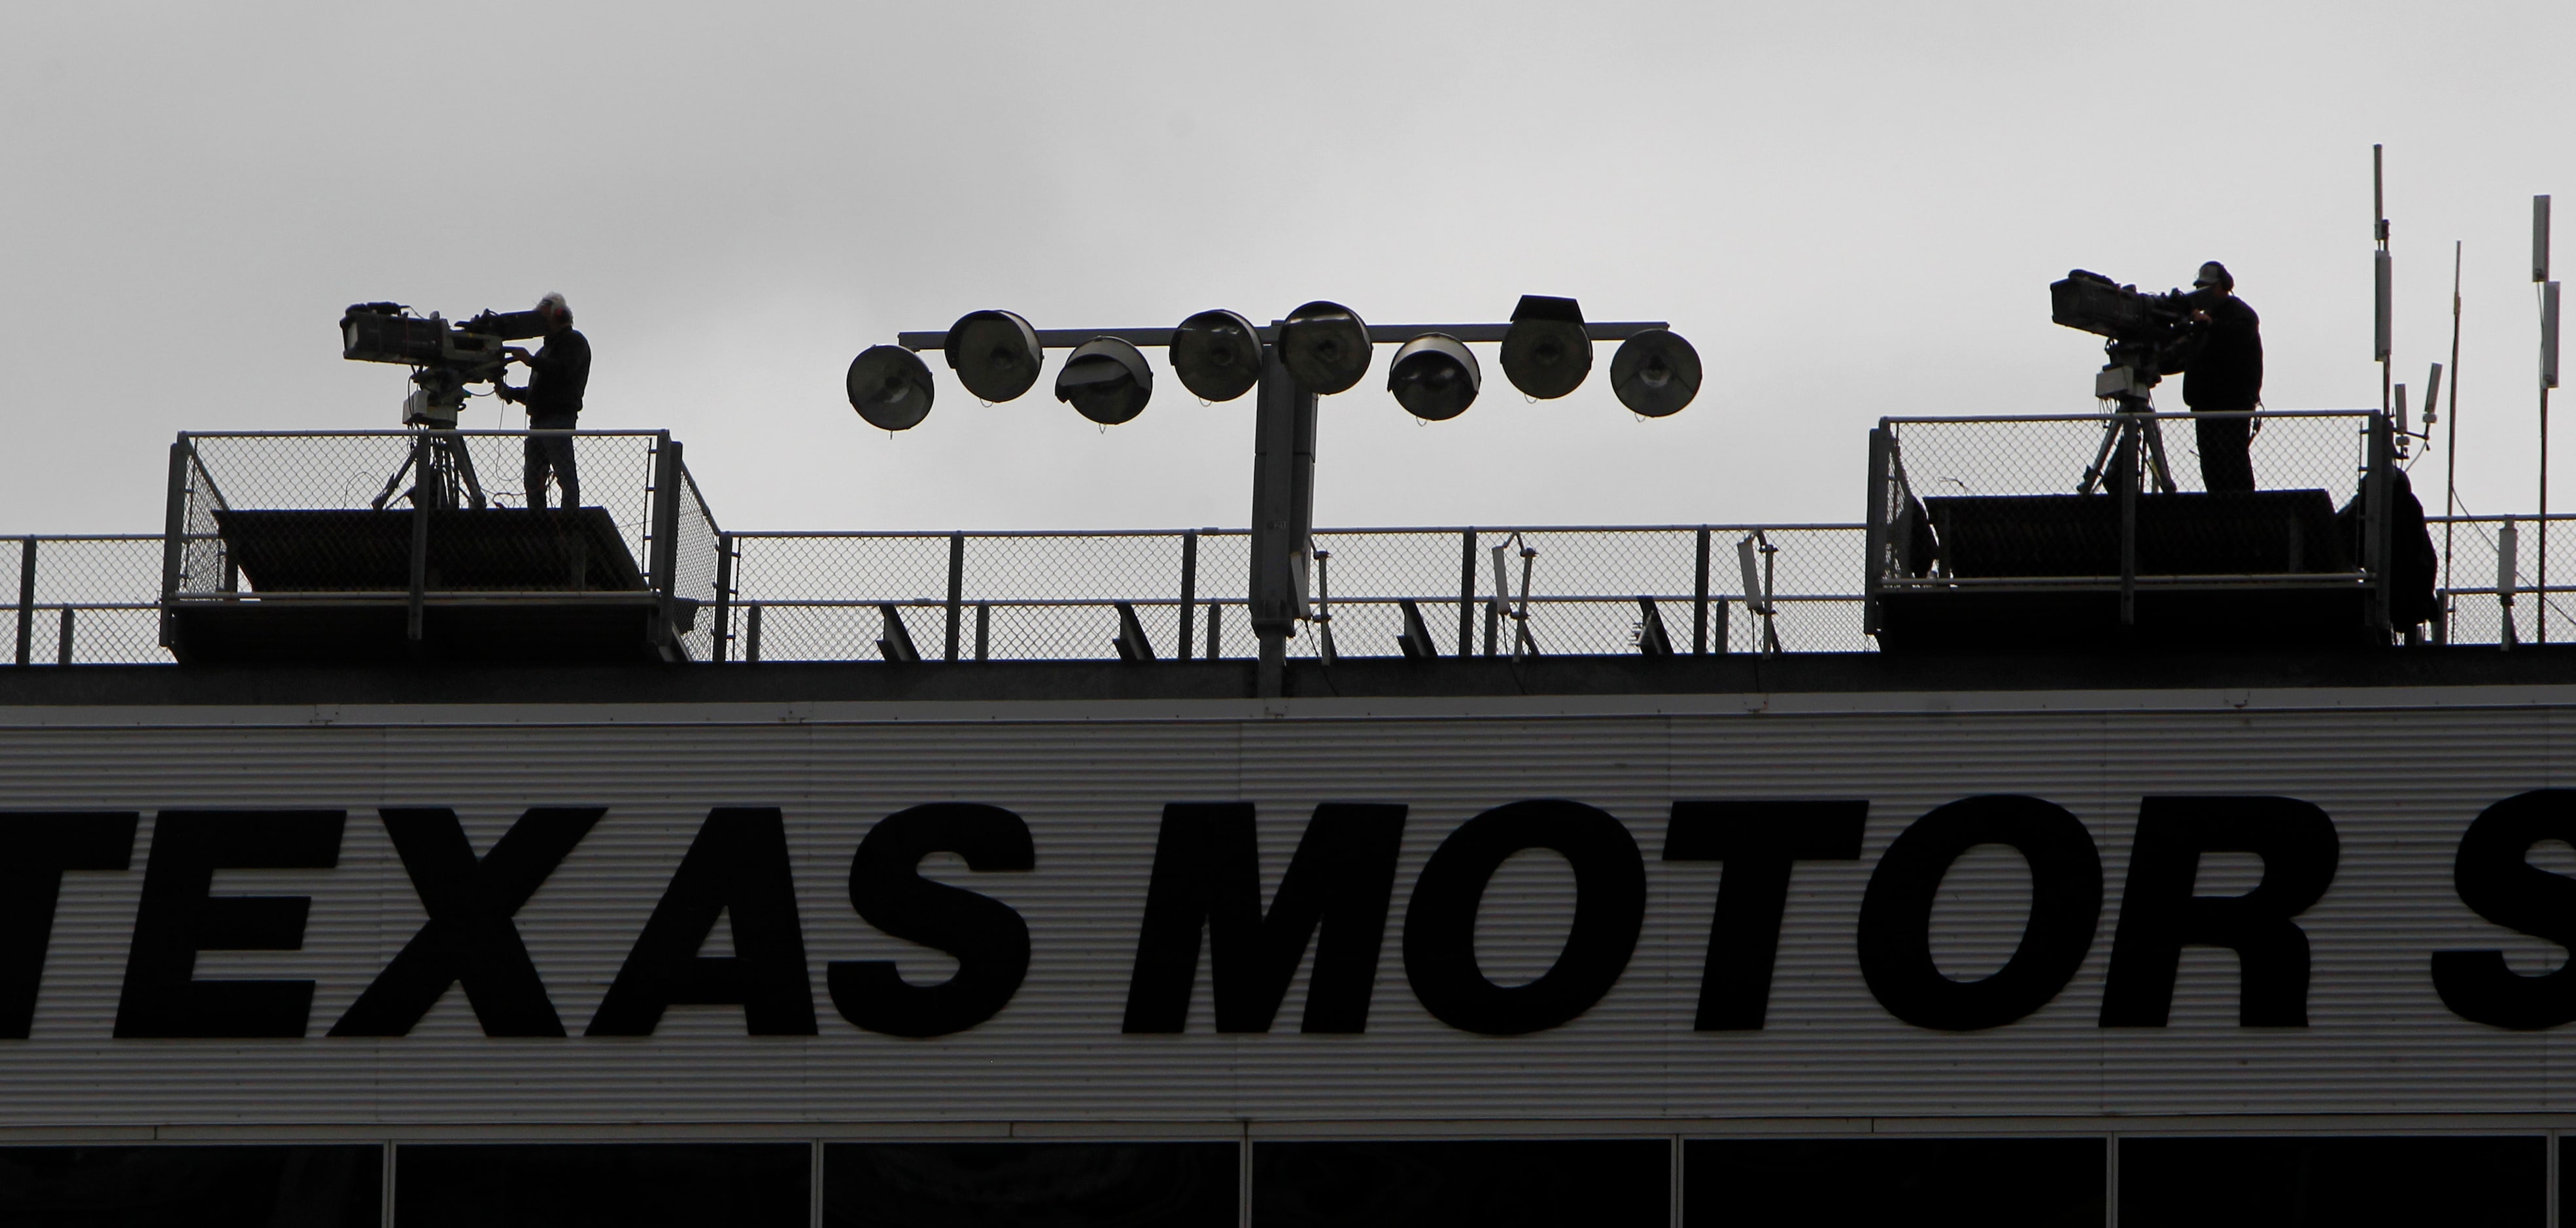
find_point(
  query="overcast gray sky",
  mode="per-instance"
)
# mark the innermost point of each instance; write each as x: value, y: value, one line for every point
x: 1852, y: 210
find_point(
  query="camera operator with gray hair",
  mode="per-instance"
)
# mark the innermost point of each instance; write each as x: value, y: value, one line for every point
x: 557, y: 373
x: 2223, y: 373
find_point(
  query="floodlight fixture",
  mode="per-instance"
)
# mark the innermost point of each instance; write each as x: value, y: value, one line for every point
x: 1655, y: 373
x: 1546, y: 352
x: 890, y: 387
x: 1325, y: 346
x: 1319, y: 349
x: 1434, y: 377
x: 995, y: 354
x: 1217, y: 355
x: 1105, y: 380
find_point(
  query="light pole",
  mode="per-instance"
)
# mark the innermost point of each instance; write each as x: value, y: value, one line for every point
x: 1546, y: 352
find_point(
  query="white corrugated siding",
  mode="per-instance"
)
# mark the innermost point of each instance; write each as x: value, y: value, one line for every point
x: 2400, y: 783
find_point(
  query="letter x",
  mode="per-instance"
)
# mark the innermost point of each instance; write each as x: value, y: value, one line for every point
x: 469, y: 937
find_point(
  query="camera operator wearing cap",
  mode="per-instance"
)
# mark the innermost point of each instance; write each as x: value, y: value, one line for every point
x: 2223, y: 373
x: 557, y: 373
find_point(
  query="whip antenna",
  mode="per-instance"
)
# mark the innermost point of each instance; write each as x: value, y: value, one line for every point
x: 2451, y: 463
x: 2548, y: 379
x: 2382, y: 282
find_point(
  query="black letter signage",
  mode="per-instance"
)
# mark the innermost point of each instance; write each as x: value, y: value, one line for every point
x: 1207, y: 876
x: 988, y: 938
x: 35, y: 849
x: 1757, y: 840
x: 2495, y: 879
x: 1440, y: 920
x: 736, y: 868
x: 178, y: 918
x: 1896, y: 913
x: 2159, y: 915
x: 469, y: 937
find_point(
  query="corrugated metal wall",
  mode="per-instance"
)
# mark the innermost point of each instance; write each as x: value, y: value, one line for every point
x: 2401, y: 783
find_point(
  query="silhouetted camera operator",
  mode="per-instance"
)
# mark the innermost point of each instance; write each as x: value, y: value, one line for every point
x: 2222, y: 368
x: 557, y: 373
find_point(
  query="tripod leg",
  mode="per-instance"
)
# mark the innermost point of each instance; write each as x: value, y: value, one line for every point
x: 387, y: 493
x: 2101, y: 456
x: 465, y: 470
x: 2156, y: 456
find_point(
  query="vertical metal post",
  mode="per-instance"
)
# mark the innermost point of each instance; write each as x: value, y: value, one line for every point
x: 1283, y: 506
x: 420, y: 501
x: 666, y: 533
x: 1189, y: 591
x: 1467, y: 593
x: 1874, y: 543
x: 720, y: 640
x: 2124, y: 475
x: 1216, y: 630
x: 983, y: 629
x: 1699, y: 599
x: 956, y: 587
x: 173, y: 532
x: 751, y: 636
x: 63, y: 639
x: 2376, y: 522
x: 26, y: 593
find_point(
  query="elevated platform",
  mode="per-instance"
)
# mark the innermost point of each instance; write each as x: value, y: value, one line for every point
x: 2025, y: 573
x: 502, y: 586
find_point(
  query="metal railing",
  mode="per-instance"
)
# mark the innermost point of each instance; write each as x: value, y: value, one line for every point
x: 1179, y: 594
x: 2492, y: 589
x: 82, y: 599
x: 364, y: 505
x: 1928, y: 476
x: 1061, y: 596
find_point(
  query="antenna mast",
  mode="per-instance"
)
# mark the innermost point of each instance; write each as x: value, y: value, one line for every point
x: 2380, y: 277
x: 2451, y: 462
x: 2548, y: 379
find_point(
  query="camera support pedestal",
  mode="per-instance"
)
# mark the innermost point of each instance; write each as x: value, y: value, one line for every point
x: 2126, y: 387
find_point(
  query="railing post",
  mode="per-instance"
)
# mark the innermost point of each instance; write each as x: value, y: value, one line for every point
x: 26, y: 593
x: 1467, y: 592
x: 1874, y: 541
x: 1189, y: 591
x: 1699, y: 599
x: 174, y: 529
x: 956, y: 589
x: 2125, y: 459
x: 720, y: 637
x: 751, y: 636
x: 63, y: 639
x: 666, y: 534
x: 2375, y: 525
x: 983, y: 629
x: 420, y: 501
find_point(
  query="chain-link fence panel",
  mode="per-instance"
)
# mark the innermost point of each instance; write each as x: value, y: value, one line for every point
x: 315, y: 514
x: 91, y: 600
x: 2475, y: 583
x: 1053, y: 596
x: 2326, y: 451
x: 696, y: 568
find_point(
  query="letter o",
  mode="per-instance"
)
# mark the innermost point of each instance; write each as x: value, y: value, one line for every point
x: 1440, y: 919
x: 1896, y: 913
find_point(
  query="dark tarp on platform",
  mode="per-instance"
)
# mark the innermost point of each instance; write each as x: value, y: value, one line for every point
x: 335, y: 550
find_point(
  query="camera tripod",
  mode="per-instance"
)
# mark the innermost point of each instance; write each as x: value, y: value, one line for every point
x: 2131, y: 434
x: 445, y: 478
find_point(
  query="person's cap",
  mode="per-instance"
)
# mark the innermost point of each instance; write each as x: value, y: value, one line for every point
x: 2215, y: 274
x: 554, y: 300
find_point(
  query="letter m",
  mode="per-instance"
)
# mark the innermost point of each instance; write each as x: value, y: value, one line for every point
x: 1207, y: 878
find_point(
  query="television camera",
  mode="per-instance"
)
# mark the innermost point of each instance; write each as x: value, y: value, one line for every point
x: 443, y: 358
x: 2146, y: 338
